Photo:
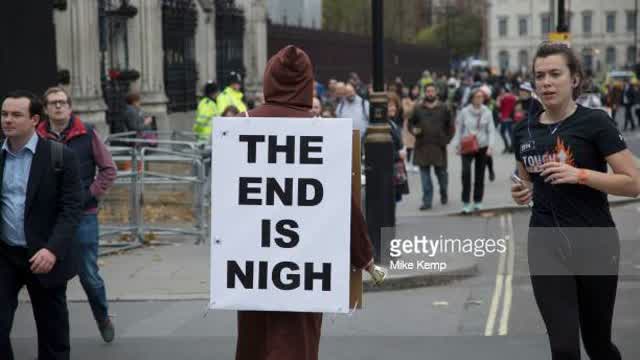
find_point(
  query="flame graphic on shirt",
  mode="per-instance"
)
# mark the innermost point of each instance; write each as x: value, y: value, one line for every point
x: 562, y: 153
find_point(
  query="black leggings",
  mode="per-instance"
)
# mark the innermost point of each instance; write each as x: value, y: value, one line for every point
x: 574, y: 305
x: 480, y: 159
x: 574, y: 295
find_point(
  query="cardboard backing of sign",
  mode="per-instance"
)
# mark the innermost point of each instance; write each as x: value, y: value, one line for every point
x: 355, y: 280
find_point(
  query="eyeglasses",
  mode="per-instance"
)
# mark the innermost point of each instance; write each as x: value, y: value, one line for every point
x: 57, y: 103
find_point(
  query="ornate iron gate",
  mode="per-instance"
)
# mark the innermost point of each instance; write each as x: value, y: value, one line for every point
x: 179, y: 22
x: 115, y: 74
x: 230, y: 25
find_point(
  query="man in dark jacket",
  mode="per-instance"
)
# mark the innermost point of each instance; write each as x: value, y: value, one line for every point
x: 433, y: 127
x: 97, y: 174
x: 41, y: 206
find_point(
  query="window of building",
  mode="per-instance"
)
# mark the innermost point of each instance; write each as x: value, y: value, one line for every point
x: 523, y: 26
x: 610, y: 57
x: 523, y: 59
x: 631, y: 55
x: 503, y: 60
x: 502, y: 27
x: 611, y: 22
x: 587, y: 18
x: 631, y: 21
x: 545, y: 23
x: 587, y: 58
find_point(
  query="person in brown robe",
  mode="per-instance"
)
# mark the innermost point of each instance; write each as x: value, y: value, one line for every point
x: 271, y: 335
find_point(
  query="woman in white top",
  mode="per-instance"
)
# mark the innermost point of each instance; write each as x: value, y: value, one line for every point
x: 476, y: 120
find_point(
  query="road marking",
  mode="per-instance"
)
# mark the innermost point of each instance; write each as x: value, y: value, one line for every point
x: 497, y: 292
x: 508, y: 289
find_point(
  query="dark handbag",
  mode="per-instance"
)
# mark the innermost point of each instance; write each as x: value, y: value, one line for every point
x: 399, y: 173
x: 469, y: 144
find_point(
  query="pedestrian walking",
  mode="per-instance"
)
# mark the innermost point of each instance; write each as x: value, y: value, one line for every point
x: 400, y: 179
x: 562, y: 156
x: 408, y: 104
x: 354, y: 107
x: 474, y: 140
x: 433, y: 127
x: 268, y: 335
x: 628, y: 100
x: 206, y: 111
x: 506, y: 105
x: 41, y: 200
x: 97, y: 174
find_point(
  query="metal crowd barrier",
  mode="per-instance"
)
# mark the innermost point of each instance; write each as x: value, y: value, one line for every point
x: 169, y: 147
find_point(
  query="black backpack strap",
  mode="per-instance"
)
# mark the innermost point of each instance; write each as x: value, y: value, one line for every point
x: 56, y: 156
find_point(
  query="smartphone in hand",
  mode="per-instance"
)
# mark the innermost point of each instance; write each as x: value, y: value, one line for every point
x: 518, y: 181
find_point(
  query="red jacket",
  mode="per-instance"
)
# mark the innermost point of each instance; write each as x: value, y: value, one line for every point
x: 507, y: 106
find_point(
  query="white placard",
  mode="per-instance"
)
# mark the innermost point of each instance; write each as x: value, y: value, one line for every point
x: 280, y: 224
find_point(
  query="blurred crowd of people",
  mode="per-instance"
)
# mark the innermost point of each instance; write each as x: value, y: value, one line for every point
x: 437, y: 110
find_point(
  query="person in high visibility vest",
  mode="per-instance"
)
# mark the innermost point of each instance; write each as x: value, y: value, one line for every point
x: 232, y: 94
x: 207, y: 110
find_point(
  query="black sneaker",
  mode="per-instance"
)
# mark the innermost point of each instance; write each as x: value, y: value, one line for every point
x: 425, y: 207
x: 492, y: 176
x: 107, y: 331
x: 444, y: 199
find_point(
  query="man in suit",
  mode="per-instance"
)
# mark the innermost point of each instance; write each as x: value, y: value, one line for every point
x: 41, y: 205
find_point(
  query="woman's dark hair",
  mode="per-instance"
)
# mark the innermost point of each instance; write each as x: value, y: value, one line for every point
x: 230, y: 111
x: 132, y: 98
x: 573, y: 62
x: 35, y: 105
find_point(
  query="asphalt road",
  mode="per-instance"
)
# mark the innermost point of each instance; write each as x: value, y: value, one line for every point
x: 489, y: 316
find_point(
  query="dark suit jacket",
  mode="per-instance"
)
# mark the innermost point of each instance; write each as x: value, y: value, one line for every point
x: 53, y: 209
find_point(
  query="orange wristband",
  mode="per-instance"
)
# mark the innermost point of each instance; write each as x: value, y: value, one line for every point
x: 582, y: 176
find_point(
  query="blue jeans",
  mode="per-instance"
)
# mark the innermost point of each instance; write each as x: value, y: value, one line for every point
x: 92, y: 283
x: 427, y: 185
x: 506, y: 132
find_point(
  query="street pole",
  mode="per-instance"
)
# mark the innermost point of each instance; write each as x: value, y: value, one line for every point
x: 562, y: 24
x: 635, y: 35
x: 379, y: 191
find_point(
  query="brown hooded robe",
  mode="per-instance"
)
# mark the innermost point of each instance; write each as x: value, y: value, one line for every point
x: 270, y: 335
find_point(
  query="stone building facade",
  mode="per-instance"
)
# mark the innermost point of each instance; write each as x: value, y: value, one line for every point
x: 165, y: 49
x: 602, y: 32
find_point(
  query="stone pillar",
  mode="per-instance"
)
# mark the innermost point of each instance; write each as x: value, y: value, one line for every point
x: 206, y: 44
x: 255, y: 44
x: 146, y: 56
x: 77, y: 47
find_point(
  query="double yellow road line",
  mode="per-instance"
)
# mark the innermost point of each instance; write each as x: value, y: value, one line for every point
x: 500, y: 309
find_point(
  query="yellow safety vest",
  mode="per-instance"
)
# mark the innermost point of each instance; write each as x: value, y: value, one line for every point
x: 207, y: 110
x: 230, y: 97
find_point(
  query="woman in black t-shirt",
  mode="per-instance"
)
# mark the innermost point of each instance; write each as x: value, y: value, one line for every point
x: 562, y: 155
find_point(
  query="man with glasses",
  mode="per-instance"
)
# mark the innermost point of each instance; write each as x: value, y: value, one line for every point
x: 97, y: 174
